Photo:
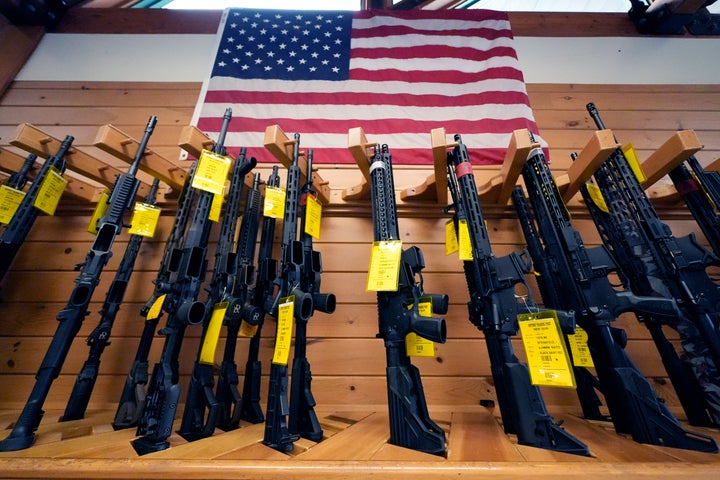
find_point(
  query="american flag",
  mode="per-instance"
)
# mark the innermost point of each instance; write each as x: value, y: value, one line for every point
x: 396, y: 74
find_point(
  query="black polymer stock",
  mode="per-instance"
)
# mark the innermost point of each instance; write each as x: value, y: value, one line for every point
x: 17, y: 230
x: 493, y: 309
x: 201, y: 406
x: 398, y: 315
x: 240, y: 309
x: 99, y: 338
x: 289, y: 280
x: 71, y: 317
x: 188, y: 266
x: 580, y: 278
x: 701, y: 193
x: 302, y: 419
x: 666, y: 266
x: 261, y: 297
x: 134, y: 393
x: 686, y: 384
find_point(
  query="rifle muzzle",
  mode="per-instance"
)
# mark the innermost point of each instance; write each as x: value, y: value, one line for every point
x: 324, y: 302
x: 191, y: 312
x: 432, y: 328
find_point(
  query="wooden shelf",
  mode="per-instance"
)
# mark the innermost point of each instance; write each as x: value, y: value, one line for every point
x: 354, y: 447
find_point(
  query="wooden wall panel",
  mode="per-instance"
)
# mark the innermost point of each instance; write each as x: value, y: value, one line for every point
x: 347, y: 359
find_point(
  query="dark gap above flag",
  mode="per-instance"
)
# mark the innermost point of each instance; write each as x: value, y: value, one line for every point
x: 396, y: 74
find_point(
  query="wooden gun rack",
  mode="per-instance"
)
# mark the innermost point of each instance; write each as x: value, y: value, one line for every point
x: 281, y: 147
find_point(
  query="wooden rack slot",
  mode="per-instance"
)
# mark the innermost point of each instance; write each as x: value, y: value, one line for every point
x: 596, y: 151
x: 672, y: 153
x: 33, y: 140
x: 499, y: 187
x: 281, y: 147
x: 112, y: 140
x: 361, y: 150
x: 434, y: 188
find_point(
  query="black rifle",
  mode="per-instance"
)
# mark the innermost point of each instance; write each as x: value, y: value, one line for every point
x: 582, y: 276
x: 240, y: 309
x: 14, y: 234
x: 666, y: 266
x: 71, y: 317
x: 261, y: 297
x: 701, y: 192
x: 188, y: 266
x: 398, y: 315
x: 288, y: 282
x: 134, y: 393
x: 302, y: 419
x: 201, y: 406
x: 494, y: 308
x: 679, y: 370
x: 99, y: 338
x: 18, y: 179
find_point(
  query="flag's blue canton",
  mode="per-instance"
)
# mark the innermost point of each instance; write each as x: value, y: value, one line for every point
x: 289, y: 45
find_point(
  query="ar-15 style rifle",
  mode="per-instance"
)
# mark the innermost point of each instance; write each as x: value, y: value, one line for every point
x: 201, y: 406
x: 240, y: 309
x: 701, y: 192
x: 261, y: 297
x: 398, y: 315
x: 666, y: 266
x: 687, y: 386
x: 288, y: 281
x: 134, y: 393
x: 99, y: 338
x: 494, y: 309
x: 582, y: 276
x: 188, y: 267
x: 14, y: 234
x: 71, y: 317
x: 302, y: 419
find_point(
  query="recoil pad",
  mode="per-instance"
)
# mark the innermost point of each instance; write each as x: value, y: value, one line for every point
x: 238, y: 311
x: 324, y: 302
x: 191, y: 312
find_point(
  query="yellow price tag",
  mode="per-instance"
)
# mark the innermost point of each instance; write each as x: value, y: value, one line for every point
x: 579, y: 348
x: 384, y: 271
x: 216, y: 208
x: 144, y: 220
x: 156, y: 308
x: 548, y: 359
x: 283, y: 337
x: 51, y: 189
x: 415, y: 345
x: 274, y: 205
x: 313, y: 216
x: 212, y: 334
x: 101, y: 207
x: 247, y: 330
x: 10, y: 200
x: 451, y: 240
x: 633, y: 161
x: 212, y: 171
x: 464, y: 242
x: 596, y: 196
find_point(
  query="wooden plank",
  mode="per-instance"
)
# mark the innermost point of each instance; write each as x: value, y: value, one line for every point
x: 515, y: 157
x: 117, y: 143
x: 477, y: 437
x: 358, y: 442
x: 23, y: 39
